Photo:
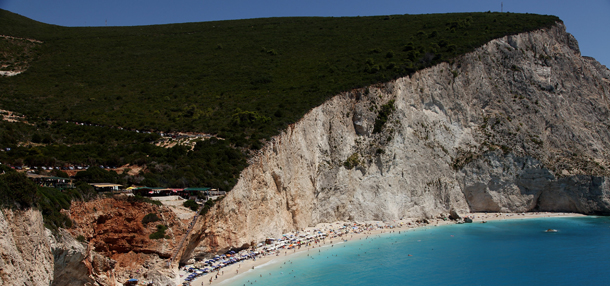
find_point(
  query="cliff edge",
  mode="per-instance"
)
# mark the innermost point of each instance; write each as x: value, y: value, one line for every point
x: 520, y: 124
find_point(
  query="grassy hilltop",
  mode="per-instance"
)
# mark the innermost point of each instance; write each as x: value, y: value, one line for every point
x: 244, y: 80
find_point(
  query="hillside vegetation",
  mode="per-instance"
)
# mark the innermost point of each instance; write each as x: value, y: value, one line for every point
x: 243, y: 80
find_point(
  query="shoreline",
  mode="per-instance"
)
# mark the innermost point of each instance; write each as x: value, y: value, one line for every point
x: 234, y: 271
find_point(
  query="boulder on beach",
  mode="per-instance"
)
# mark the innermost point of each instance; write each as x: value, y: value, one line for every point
x: 454, y: 215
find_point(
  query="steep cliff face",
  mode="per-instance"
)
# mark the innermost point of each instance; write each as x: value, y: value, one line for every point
x: 76, y: 264
x: 25, y: 252
x: 519, y: 124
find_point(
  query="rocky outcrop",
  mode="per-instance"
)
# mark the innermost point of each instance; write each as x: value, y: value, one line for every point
x: 114, y: 245
x: 454, y: 215
x: 114, y: 228
x: 76, y: 264
x: 25, y: 252
x: 519, y: 124
x: 31, y: 254
x: 506, y: 183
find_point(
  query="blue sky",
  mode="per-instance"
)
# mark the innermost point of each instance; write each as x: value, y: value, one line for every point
x: 588, y: 21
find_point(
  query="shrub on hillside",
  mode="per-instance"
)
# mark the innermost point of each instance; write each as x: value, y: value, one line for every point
x: 191, y: 204
x: 141, y: 199
x: 160, y: 233
x: 383, y: 115
x: 151, y: 217
x: 97, y: 175
x: 50, y: 202
x: 16, y: 190
x: 352, y: 161
x: 6, y: 169
x: 60, y: 173
x: 207, y: 206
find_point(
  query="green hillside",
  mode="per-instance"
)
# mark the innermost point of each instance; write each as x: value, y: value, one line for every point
x: 244, y: 80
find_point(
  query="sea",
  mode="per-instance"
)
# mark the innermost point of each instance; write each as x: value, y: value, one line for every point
x: 503, y: 252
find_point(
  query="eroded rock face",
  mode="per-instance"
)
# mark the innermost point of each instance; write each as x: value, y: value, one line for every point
x: 25, y: 252
x: 505, y: 183
x: 114, y: 228
x: 30, y: 254
x: 77, y: 264
x: 519, y: 124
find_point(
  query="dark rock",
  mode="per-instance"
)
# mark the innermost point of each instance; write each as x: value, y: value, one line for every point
x: 454, y: 215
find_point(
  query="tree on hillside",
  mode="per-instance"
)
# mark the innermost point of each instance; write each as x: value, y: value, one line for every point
x: 98, y: 175
x: 16, y: 190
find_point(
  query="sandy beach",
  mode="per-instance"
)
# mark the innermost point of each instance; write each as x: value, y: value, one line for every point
x: 225, y: 275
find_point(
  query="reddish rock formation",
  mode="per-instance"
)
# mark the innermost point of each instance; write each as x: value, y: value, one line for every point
x: 114, y: 228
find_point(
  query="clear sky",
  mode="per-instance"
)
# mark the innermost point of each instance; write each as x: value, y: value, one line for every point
x: 587, y: 20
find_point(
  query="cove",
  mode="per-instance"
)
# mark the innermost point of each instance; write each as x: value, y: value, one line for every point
x: 504, y: 252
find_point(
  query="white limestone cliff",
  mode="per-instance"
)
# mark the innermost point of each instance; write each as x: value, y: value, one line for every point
x: 25, y: 252
x: 520, y: 124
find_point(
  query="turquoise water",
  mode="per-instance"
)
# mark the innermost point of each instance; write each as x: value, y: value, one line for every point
x: 510, y: 252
